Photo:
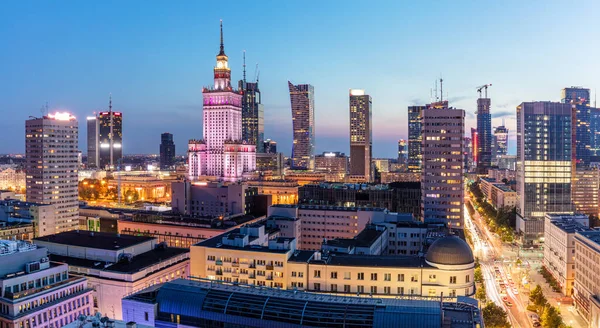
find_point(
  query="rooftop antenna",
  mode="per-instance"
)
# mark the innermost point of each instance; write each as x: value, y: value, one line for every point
x: 441, y: 89
x: 256, y: 73
x: 244, y: 66
x: 110, y: 102
x: 435, y: 90
x: 222, y: 46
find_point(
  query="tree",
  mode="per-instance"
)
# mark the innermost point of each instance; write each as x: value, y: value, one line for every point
x: 494, y: 316
x: 537, y: 298
x: 481, y: 294
x: 551, y: 318
x: 478, y: 276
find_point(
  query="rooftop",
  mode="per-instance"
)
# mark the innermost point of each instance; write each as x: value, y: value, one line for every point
x: 301, y: 256
x: 137, y: 263
x: 503, y: 187
x: 101, y: 240
x: 570, y: 226
x: 332, y: 208
x: 593, y: 235
x: 217, y: 242
x: 368, y: 236
x: 373, y: 261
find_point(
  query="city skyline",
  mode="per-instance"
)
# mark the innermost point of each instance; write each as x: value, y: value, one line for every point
x: 156, y: 63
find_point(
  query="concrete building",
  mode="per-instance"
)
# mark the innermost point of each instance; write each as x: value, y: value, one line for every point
x: 585, y: 190
x: 148, y: 186
x: 507, y: 162
x: 209, y: 199
x: 544, y: 166
x: 391, y: 177
x: 382, y: 164
x: 51, y: 166
x: 559, y: 247
x: 197, y: 303
x: 500, y: 145
x: 361, y: 134
x: 580, y: 98
x: 12, y: 178
x: 497, y: 194
x: 167, y: 151
x: 282, y: 192
x: 415, y: 155
x: 501, y: 174
x: 37, y: 292
x: 442, y: 189
x: 334, y: 165
x: 42, y: 217
x: 253, y: 113
x: 302, y: 98
x: 115, y: 265
x: 484, y: 133
x: 16, y: 230
x: 256, y: 256
x: 270, y: 146
x: 587, y: 280
x: 110, y: 138
x: 222, y: 153
x: 270, y: 163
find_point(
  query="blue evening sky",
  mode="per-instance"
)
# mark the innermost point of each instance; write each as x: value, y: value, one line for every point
x: 155, y: 56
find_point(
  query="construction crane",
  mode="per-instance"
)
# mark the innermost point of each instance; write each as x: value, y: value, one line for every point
x: 485, y: 86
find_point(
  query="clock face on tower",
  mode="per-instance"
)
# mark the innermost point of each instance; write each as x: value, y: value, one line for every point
x: 221, y: 64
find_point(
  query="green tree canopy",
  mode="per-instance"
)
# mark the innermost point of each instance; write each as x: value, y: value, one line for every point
x: 494, y: 316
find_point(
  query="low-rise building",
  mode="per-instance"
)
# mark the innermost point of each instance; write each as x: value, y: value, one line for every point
x: 150, y: 186
x: 41, y: 216
x: 498, y: 174
x: 587, y: 280
x: 116, y: 265
x: 559, y: 247
x: 214, y: 199
x: 498, y: 194
x: 272, y: 163
x: 282, y: 192
x: 12, y: 178
x: 16, y: 230
x: 36, y: 292
x: 199, y: 303
x: 389, y: 177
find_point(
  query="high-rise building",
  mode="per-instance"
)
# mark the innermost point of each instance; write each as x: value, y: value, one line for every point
x: 253, y: 113
x: 167, y: 151
x: 475, y: 145
x: 500, y: 143
x: 110, y: 138
x: 222, y: 153
x: 402, y: 152
x: 92, y: 142
x: 415, y: 155
x: 585, y: 190
x: 270, y: 146
x: 361, y: 134
x: 484, y: 132
x: 468, y: 154
x: 580, y: 97
x: 51, y: 151
x: 302, y: 98
x: 544, y: 164
x: 595, y: 131
x: 442, y: 189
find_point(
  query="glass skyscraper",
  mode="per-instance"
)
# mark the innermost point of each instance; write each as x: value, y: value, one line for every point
x: 302, y: 98
x: 167, y: 151
x: 484, y: 135
x: 361, y: 134
x: 415, y: 156
x: 580, y: 97
x: 253, y: 115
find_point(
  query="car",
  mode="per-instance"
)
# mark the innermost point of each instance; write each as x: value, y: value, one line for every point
x: 537, y: 324
x: 505, y: 298
x: 508, y: 303
x: 515, y: 291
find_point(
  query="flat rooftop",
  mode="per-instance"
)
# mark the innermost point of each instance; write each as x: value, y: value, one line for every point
x: 570, y: 226
x: 138, y: 262
x: 100, y: 240
x: 373, y: 260
x: 593, y: 235
x: 368, y: 236
x: 217, y: 242
x: 332, y: 208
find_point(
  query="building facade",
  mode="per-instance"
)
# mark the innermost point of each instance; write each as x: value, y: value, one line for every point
x: 544, y: 163
x: 110, y: 138
x: 253, y: 114
x: 12, y: 178
x: 222, y: 153
x: 585, y: 190
x: 442, y: 189
x: 587, y: 280
x: 402, y: 153
x: 51, y: 147
x: 270, y: 146
x: 415, y: 156
x: 484, y: 132
x: 92, y: 142
x: 302, y: 98
x: 167, y: 151
x: 333, y: 164
x: 37, y: 292
x: 580, y: 98
x: 500, y: 146
x: 209, y: 199
x: 361, y: 134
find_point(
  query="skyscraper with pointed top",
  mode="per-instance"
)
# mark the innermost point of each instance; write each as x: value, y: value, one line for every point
x: 222, y: 152
x: 253, y: 113
x: 302, y: 98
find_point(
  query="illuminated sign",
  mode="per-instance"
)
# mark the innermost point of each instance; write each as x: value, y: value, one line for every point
x: 104, y: 145
x: 329, y: 154
x: 357, y: 92
x: 59, y: 116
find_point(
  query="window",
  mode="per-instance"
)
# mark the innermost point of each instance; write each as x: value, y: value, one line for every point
x: 387, y: 290
x: 468, y: 278
x: 334, y: 288
x: 401, y: 277
x: 432, y: 278
x: 333, y: 275
x: 374, y: 276
x: 401, y: 290
x: 317, y: 273
x: 300, y: 274
x: 452, y: 293
x: 360, y: 289
x: 387, y: 276
x: 361, y: 276
x: 414, y: 278
x: 347, y: 275
x: 346, y: 288
x: 373, y: 289
x: 431, y: 292
x: 317, y: 286
x: 453, y: 279
x: 293, y: 273
x: 146, y: 316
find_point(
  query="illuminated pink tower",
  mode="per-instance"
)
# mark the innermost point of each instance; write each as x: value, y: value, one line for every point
x: 222, y: 152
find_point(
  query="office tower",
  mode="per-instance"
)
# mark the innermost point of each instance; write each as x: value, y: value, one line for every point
x: 361, y: 134
x: 442, y: 176
x: 595, y: 131
x: 51, y: 147
x: 253, y: 113
x: 544, y: 164
x: 585, y: 190
x: 332, y: 162
x: 580, y: 97
x: 468, y: 154
x: 92, y: 142
x: 500, y: 142
x: 167, y: 151
x: 222, y: 153
x: 302, y: 98
x: 402, y: 152
x: 484, y: 134
x: 110, y: 138
x: 414, y: 138
x: 270, y: 146
x: 475, y: 145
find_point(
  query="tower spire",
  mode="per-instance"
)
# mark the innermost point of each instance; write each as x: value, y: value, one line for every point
x: 222, y: 52
x: 110, y: 102
x: 244, y: 66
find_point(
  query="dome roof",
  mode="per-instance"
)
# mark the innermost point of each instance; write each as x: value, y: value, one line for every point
x: 450, y: 250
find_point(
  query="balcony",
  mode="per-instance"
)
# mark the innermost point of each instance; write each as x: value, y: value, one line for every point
x: 32, y: 291
x: 235, y: 274
x: 235, y: 264
x: 269, y: 267
x: 219, y: 262
x: 252, y: 266
x: 219, y: 273
x: 252, y: 276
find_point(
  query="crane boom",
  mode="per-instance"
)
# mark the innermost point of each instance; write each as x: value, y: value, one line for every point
x: 483, y: 87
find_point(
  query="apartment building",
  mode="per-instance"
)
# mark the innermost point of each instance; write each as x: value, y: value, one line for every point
x: 587, y: 280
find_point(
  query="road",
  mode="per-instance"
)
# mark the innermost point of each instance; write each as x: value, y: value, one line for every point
x: 488, y: 249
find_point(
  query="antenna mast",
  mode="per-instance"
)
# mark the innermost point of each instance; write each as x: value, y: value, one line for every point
x: 441, y: 89
x: 244, y: 66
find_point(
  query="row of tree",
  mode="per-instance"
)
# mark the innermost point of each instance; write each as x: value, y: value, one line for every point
x: 499, y: 221
x: 549, y: 315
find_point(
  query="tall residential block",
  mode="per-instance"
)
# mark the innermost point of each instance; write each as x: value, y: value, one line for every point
x: 222, y: 153
x: 302, y: 98
x: 51, y: 153
x: 167, y: 151
x: 110, y: 138
x: 253, y: 114
x: 484, y: 133
x: 92, y: 142
x: 415, y: 155
x: 545, y: 145
x: 580, y: 97
x: 361, y: 134
x: 442, y: 189
x: 500, y: 147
